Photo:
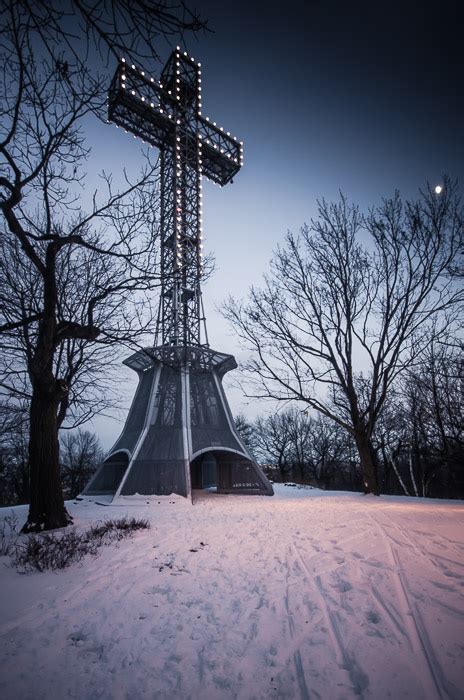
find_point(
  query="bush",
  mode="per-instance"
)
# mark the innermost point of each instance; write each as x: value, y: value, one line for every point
x: 132, y: 524
x: 109, y: 530
x: 48, y: 551
x: 57, y: 551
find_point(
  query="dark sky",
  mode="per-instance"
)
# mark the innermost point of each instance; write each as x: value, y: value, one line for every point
x: 363, y: 97
x: 366, y: 95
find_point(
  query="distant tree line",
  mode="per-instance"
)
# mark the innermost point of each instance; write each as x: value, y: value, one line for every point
x: 80, y: 455
x: 418, y: 443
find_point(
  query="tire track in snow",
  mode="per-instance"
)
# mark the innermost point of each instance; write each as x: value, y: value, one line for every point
x: 435, y: 560
x: 439, y: 540
x: 421, y: 551
x: 359, y: 680
x: 417, y: 633
x: 390, y: 612
x: 300, y: 676
x: 449, y: 561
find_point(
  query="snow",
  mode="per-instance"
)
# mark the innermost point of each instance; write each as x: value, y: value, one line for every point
x: 309, y: 594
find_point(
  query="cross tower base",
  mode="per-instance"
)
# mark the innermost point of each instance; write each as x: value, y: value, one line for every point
x: 179, y: 433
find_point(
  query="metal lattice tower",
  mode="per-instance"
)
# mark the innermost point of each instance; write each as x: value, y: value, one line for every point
x: 179, y: 434
x: 167, y: 115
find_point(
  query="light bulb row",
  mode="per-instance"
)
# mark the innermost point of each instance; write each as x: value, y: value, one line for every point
x: 226, y: 133
x: 185, y: 55
x: 141, y: 72
x: 178, y: 204
x: 147, y: 102
x: 152, y: 80
x: 178, y: 80
x: 222, y: 150
x: 170, y: 116
x: 200, y: 204
x: 179, y: 207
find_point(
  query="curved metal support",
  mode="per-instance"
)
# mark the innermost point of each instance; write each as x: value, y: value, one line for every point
x: 179, y: 414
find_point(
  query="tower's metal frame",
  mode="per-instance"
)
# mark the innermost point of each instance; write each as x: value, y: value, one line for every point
x: 167, y: 115
x: 179, y: 429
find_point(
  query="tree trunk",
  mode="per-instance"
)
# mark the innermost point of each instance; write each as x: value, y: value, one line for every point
x: 47, y: 510
x: 411, y: 473
x: 368, y: 463
x: 398, y: 476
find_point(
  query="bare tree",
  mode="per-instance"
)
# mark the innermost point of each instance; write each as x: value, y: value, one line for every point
x: 329, y: 455
x: 390, y: 438
x: 347, y: 307
x: 14, y: 461
x: 81, y: 454
x: 78, y: 30
x: 420, y: 431
x: 306, y: 449
x: 83, y: 276
x: 246, y: 431
x: 87, y: 369
x: 439, y: 382
x: 273, y: 442
x: 299, y: 431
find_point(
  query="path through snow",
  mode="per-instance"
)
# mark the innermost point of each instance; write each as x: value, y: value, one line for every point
x: 309, y: 594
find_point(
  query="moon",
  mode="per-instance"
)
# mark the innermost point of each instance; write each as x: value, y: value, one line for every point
x: 438, y: 189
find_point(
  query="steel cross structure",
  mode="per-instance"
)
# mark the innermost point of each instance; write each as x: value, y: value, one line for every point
x: 167, y: 115
x: 180, y: 434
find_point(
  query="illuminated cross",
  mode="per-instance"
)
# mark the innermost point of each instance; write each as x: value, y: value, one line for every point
x: 167, y: 114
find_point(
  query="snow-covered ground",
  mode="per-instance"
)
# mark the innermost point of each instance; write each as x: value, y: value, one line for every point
x: 309, y: 594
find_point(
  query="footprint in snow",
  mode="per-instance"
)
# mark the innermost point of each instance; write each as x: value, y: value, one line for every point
x: 444, y: 586
x: 78, y: 637
x: 166, y: 565
x: 201, y: 545
x: 452, y: 574
x: 344, y: 586
x: 376, y: 563
x: 373, y: 616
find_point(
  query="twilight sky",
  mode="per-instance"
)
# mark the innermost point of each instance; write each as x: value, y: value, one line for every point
x: 363, y: 97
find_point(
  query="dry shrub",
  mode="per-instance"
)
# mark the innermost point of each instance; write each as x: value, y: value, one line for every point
x: 58, y: 550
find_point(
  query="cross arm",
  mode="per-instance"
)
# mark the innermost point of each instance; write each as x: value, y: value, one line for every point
x: 222, y: 155
x: 149, y: 110
x: 141, y: 106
